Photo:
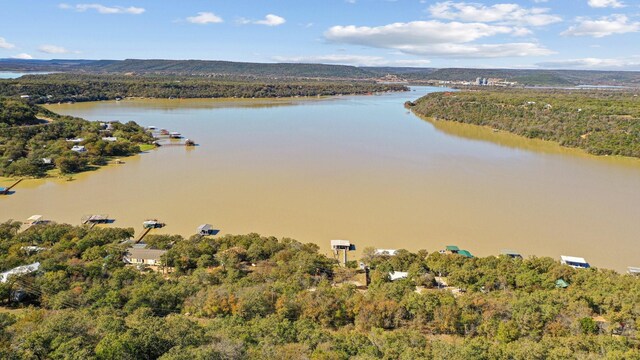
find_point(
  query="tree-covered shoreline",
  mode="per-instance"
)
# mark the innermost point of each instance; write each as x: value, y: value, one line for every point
x: 255, y: 297
x: 33, y: 147
x: 599, y: 122
x: 64, y: 87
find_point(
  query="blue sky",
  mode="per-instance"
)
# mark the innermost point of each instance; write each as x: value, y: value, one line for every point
x: 572, y: 34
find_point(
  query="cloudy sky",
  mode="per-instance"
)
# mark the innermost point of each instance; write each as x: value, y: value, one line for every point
x: 572, y: 34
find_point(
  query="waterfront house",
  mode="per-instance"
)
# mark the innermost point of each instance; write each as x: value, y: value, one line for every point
x: 574, y: 262
x: 137, y: 256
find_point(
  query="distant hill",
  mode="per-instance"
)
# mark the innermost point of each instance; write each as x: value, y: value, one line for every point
x: 190, y: 67
x: 529, y: 77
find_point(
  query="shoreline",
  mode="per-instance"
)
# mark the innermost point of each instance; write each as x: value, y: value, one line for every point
x: 54, y: 175
x: 546, y: 145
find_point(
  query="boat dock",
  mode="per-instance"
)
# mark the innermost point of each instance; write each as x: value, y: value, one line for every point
x: 93, y: 220
x: 5, y: 190
x: 147, y: 226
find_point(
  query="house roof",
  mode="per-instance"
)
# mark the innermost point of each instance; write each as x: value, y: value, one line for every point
x: 34, y: 218
x: 147, y: 254
x: 396, y: 275
x: 340, y: 243
x: 465, y: 253
x: 573, y: 259
x: 510, y: 252
x: 561, y: 283
x: 633, y: 270
x: 24, y: 269
x: 453, y: 248
x: 205, y: 227
x: 390, y: 252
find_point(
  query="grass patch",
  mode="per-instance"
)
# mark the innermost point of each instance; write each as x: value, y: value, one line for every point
x: 147, y: 147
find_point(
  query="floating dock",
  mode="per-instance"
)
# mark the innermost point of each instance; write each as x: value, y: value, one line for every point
x: 147, y: 226
x: 93, y: 220
x: 5, y: 190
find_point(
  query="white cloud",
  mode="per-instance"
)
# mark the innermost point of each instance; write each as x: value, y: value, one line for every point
x: 132, y: 10
x: 5, y: 45
x: 205, y: 18
x: 630, y: 63
x: 22, y: 56
x: 435, y: 38
x: 499, y: 13
x: 53, y: 49
x: 604, y: 26
x: 605, y: 3
x: 356, y: 60
x: 271, y: 20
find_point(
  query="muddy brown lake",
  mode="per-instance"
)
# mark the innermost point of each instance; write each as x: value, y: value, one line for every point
x: 360, y: 168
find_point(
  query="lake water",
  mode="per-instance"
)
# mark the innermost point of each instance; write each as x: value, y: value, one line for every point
x: 357, y: 168
x: 15, y: 75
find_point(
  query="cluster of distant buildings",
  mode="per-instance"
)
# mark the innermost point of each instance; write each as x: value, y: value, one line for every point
x: 481, y: 81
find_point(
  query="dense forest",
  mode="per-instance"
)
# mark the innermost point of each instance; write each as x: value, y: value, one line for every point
x: 33, y: 141
x: 64, y: 87
x: 600, y: 122
x: 254, y: 297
